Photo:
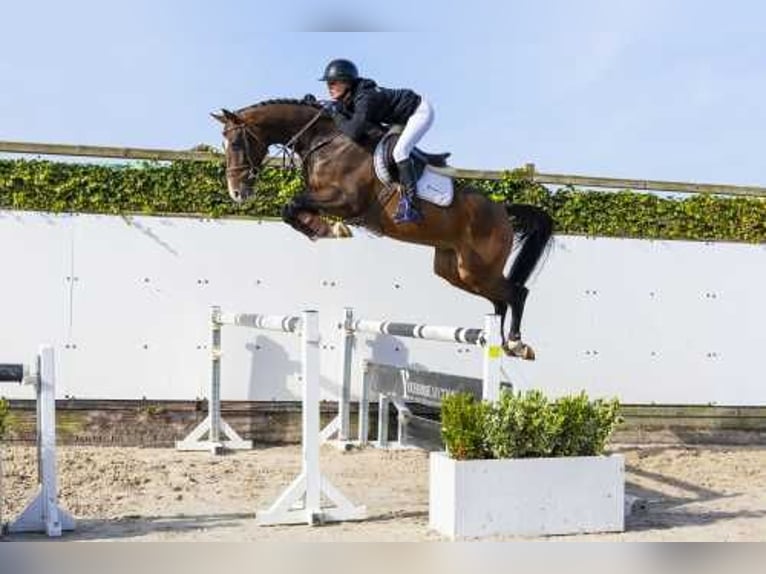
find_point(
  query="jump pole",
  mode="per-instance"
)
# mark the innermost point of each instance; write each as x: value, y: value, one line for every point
x: 489, y: 339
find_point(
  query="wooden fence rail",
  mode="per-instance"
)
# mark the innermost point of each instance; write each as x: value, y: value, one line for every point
x: 543, y: 178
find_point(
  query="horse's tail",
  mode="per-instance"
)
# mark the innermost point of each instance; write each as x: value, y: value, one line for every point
x: 533, y: 229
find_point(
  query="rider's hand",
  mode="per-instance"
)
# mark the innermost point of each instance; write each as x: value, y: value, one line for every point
x: 330, y: 106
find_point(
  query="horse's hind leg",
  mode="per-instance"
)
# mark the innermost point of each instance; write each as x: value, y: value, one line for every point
x: 517, y: 297
x: 514, y: 297
x: 466, y: 271
x: 487, y: 280
x: 515, y: 346
x: 536, y: 228
x: 446, y: 267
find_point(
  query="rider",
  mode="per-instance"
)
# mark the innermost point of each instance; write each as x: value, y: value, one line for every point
x: 360, y: 101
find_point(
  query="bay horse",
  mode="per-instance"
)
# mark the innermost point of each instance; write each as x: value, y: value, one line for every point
x: 472, y: 237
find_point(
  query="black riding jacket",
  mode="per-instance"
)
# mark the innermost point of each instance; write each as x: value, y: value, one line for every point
x: 367, y: 103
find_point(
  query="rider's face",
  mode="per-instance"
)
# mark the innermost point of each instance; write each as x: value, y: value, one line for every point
x: 337, y: 88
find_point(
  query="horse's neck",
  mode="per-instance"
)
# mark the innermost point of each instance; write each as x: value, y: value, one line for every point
x: 279, y: 121
x: 290, y: 123
x: 313, y: 136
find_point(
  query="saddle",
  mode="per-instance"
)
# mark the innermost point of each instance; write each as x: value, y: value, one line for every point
x: 432, y: 186
x: 384, y: 155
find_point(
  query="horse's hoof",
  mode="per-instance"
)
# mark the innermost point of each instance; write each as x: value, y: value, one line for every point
x: 340, y: 230
x: 519, y: 350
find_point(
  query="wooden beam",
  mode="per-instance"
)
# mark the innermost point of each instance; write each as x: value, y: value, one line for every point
x: 543, y: 178
x: 648, y: 185
x: 105, y: 152
x: 148, y: 154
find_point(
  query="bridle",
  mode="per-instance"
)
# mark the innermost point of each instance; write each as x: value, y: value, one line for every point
x: 287, y: 148
x: 253, y: 169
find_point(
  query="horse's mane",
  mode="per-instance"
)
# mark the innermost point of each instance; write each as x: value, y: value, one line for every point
x: 307, y: 100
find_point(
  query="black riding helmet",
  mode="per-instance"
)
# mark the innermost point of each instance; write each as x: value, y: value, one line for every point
x: 340, y: 70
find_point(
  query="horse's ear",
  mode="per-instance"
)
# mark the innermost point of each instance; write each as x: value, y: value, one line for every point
x: 231, y: 116
x: 218, y: 117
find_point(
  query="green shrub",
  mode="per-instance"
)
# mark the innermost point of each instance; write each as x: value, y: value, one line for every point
x: 583, y: 426
x: 463, y: 424
x: 527, y: 425
x: 521, y: 426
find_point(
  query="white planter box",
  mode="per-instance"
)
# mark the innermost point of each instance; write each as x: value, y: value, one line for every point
x: 526, y: 497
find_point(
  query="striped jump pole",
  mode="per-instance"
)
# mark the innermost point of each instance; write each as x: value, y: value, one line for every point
x: 489, y: 338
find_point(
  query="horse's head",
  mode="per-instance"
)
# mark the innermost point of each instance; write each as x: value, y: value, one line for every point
x: 246, y: 147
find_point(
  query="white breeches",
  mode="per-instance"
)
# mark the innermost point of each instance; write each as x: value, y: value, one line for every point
x: 414, y: 130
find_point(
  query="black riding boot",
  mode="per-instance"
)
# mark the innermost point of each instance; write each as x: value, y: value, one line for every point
x: 408, y: 211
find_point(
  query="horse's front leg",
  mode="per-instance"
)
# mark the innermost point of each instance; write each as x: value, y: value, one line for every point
x: 299, y: 216
x: 303, y: 215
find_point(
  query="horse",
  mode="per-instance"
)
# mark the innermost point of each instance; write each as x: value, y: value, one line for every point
x: 472, y: 238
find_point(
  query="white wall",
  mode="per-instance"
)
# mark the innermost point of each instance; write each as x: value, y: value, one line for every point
x: 126, y: 303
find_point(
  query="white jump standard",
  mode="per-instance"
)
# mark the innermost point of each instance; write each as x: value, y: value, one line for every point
x: 301, y: 502
x: 213, y: 426
x: 43, y: 513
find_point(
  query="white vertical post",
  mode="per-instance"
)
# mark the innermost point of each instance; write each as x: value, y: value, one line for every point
x: 46, y: 410
x: 383, y: 411
x: 341, y: 424
x: 364, y: 407
x: 220, y: 435
x: 214, y: 402
x: 43, y: 512
x: 310, y: 373
x: 493, y: 354
x: 301, y: 502
x: 346, y: 349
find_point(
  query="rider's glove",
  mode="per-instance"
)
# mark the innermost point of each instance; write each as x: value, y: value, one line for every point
x: 330, y: 106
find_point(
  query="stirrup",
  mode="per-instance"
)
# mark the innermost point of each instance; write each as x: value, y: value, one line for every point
x: 406, y: 212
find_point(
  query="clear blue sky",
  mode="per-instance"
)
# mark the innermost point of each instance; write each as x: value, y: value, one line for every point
x: 658, y: 89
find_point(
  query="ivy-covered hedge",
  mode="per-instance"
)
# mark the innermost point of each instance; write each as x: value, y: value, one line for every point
x: 181, y: 187
x: 643, y: 215
x: 198, y: 188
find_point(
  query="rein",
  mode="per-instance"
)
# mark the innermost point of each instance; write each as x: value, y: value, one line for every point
x: 287, y: 148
